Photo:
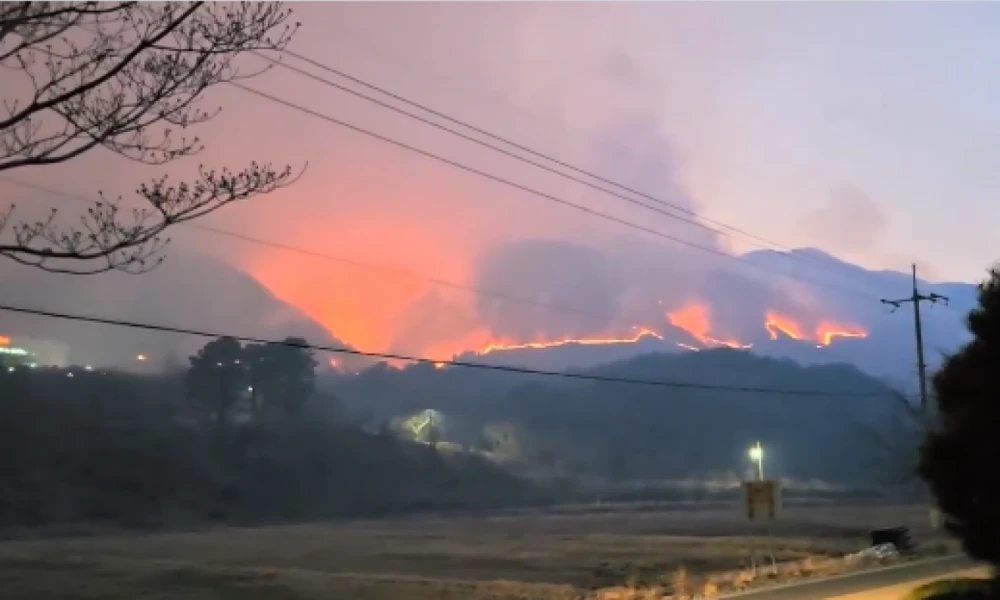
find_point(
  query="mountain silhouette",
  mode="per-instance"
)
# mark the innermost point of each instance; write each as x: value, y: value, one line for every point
x: 850, y: 291
x: 186, y: 291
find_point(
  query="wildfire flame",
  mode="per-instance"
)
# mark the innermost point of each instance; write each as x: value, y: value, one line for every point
x: 640, y: 334
x: 823, y: 335
x: 695, y: 319
x: 826, y: 332
x: 776, y: 324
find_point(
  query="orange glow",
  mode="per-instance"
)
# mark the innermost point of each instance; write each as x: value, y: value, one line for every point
x: 640, y: 334
x: 695, y: 319
x: 823, y: 335
x: 776, y: 323
x: 421, y: 229
x: 826, y: 332
x: 440, y: 365
x: 4, y: 340
x: 359, y: 306
x: 448, y: 349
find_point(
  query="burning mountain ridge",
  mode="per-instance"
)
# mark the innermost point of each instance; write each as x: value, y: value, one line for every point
x: 584, y: 341
x: 695, y: 318
x: 695, y: 309
x: 616, y: 309
x: 823, y: 334
x: 690, y: 327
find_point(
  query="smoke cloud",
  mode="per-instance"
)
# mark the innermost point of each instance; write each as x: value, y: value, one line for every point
x: 550, y: 272
x: 615, y: 106
x: 849, y: 222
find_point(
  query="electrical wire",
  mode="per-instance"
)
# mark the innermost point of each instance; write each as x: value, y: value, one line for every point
x: 538, y: 193
x: 453, y: 363
x: 696, y: 219
x: 690, y: 221
x: 550, y: 197
x: 604, y: 318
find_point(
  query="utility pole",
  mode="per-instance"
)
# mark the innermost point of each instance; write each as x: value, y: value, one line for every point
x: 916, y: 298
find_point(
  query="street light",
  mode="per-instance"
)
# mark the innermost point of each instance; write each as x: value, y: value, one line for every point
x: 757, y: 455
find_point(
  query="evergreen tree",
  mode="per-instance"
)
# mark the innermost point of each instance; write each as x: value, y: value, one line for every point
x: 960, y: 456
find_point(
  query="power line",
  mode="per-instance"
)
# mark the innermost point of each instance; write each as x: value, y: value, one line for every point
x: 691, y: 221
x: 452, y: 363
x: 498, y: 179
x: 534, y: 192
x: 355, y: 263
x: 608, y: 318
x: 695, y: 220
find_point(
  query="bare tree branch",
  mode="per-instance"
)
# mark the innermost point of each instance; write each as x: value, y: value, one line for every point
x: 124, y: 77
x: 895, y: 443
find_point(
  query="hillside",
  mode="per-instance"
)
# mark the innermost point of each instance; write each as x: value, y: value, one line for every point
x: 197, y: 292
x: 736, y: 307
x: 103, y: 449
x: 622, y: 431
x: 189, y: 291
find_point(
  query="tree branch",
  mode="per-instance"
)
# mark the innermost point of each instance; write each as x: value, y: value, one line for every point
x: 138, y: 66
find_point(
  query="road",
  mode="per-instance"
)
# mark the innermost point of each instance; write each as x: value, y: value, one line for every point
x: 887, y: 583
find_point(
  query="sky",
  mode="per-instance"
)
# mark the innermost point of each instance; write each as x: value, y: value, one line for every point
x: 865, y: 129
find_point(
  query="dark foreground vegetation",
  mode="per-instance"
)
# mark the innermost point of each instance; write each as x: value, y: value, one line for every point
x: 145, y: 451
x: 243, y: 435
x: 957, y: 458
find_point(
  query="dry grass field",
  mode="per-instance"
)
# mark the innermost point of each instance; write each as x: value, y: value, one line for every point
x: 550, y: 556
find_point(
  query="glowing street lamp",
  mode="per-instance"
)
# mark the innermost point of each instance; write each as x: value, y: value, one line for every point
x: 756, y: 454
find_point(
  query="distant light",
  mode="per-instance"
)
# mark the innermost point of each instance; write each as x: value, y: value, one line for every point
x: 31, y: 365
x: 141, y: 357
x: 249, y: 388
x: 218, y: 364
x: 69, y: 374
x: 88, y: 368
x: 10, y: 369
x: 4, y: 340
x: 756, y: 453
x: 237, y: 361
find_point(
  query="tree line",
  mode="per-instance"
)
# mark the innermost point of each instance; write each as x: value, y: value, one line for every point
x: 226, y: 378
x: 197, y: 445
